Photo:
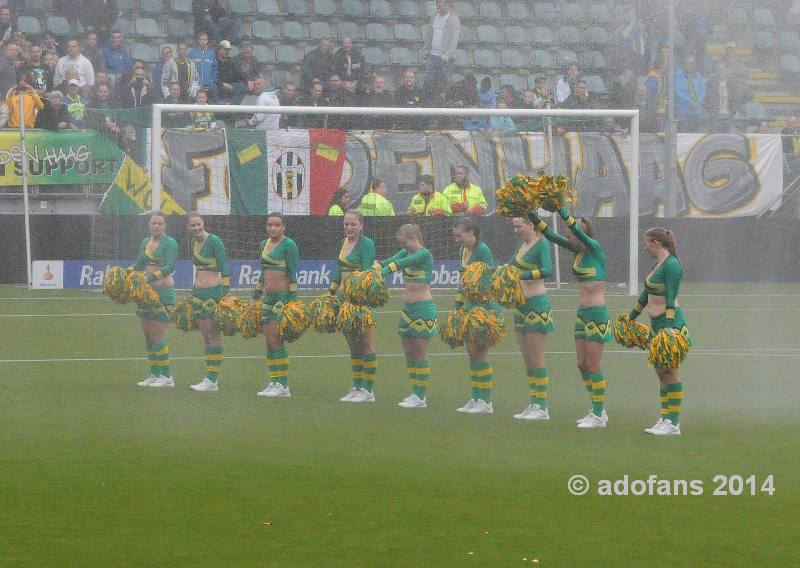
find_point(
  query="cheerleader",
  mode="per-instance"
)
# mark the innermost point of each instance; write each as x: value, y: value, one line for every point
x: 418, y: 318
x: 211, y: 283
x: 278, y: 286
x: 158, y: 254
x: 592, y: 329
x: 357, y: 253
x: 660, y: 296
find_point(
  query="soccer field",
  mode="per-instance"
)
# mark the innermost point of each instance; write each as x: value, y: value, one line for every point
x: 96, y: 471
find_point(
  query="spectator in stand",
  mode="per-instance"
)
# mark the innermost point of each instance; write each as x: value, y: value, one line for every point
x: 50, y: 45
x: 791, y: 137
x: 54, y: 116
x: 118, y: 58
x: 31, y: 102
x: 657, y: 84
x: 579, y: 99
x: 98, y: 16
x: 204, y: 60
x: 340, y: 202
x: 288, y: 97
x: 337, y: 96
x: 693, y: 22
x: 252, y: 90
x: 174, y: 119
x: 429, y: 202
x: 723, y: 98
x: 364, y: 86
x: 267, y: 98
x: 623, y: 90
x: 247, y: 66
x: 374, y: 203
x: 441, y: 42
x: 139, y: 92
x: 75, y: 60
x: 130, y: 145
x: 93, y: 53
x: 158, y: 71
x: 76, y: 105
x: 464, y: 94
x: 487, y: 96
x: 315, y: 98
x: 508, y: 95
x: 648, y: 121
x: 408, y: 95
x: 50, y: 62
x: 181, y: 70
x: 201, y: 119
x: 465, y: 197
x: 6, y: 25
x: 318, y: 64
x: 102, y: 114
x: 37, y: 67
x: 377, y: 97
x: 764, y: 127
x: 349, y: 65
x: 8, y: 71
x: 18, y: 37
x: 101, y: 78
x: 630, y: 47
x: 565, y: 86
x: 215, y: 17
x: 542, y: 98
x: 502, y: 124
x: 228, y: 87
x: 690, y: 96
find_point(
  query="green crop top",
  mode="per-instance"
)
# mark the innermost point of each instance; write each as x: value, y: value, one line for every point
x: 417, y: 267
x: 164, y: 257
x: 283, y: 258
x: 362, y: 257
x: 210, y: 255
x: 480, y: 253
x: 536, y: 263
x: 590, y: 263
x: 664, y: 280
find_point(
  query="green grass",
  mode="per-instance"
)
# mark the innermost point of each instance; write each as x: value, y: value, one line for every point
x: 95, y: 471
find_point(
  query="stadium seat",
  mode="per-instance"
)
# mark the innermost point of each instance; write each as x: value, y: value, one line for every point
x: 543, y: 35
x: 463, y: 58
x: 296, y: 7
x: 182, y: 6
x: 288, y: 54
x: 488, y: 33
x: 144, y: 52
x: 349, y: 29
x: 380, y: 8
x: 513, y: 58
x: 268, y: 7
x: 125, y: 26
x: 127, y: 6
x: 565, y: 57
x: 763, y: 18
x: 430, y: 8
x: 790, y: 40
x: 374, y: 56
x: 595, y: 84
x: 36, y: 6
x: 598, y: 35
x: 485, y: 58
x: 264, y: 30
x: 406, y: 32
x: 293, y: 30
x: 517, y: 35
x: 58, y: 25
x: 594, y: 60
x: 354, y: 8
x: 468, y: 33
x: 264, y: 54
x: 764, y: 40
x: 490, y: 10
x: 599, y: 13
x: 403, y: 56
x: 570, y: 35
x: 240, y: 6
x: 29, y: 25
x: 408, y: 9
x: 178, y: 28
x: 790, y: 62
x: 157, y: 6
x: 147, y: 27
x: 324, y: 7
x: 319, y: 30
x: 573, y: 12
x: 514, y: 80
x: 541, y: 58
x: 544, y: 12
x: 280, y: 76
x: 465, y: 10
x: 377, y: 32
x: 518, y: 11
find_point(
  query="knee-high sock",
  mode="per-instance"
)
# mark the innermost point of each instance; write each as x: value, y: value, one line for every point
x: 161, y: 359
x: 357, y: 364
x: 411, y: 369
x: 587, y: 381
x: 481, y: 374
x: 423, y: 375
x: 279, y: 370
x: 598, y: 392
x: 155, y: 366
x: 674, y: 400
x: 541, y: 382
x: 664, y: 403
x: 214, y: 358
x: 369, y: 370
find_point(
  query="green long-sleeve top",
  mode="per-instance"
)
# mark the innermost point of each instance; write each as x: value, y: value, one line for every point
x: 210, y: 255
x: 283, y: 258
x: 362, y: 257
x: 590, y: 262
x: 536, y: 263
x: 164, y: 256
x: 416, y: 267
x: 480, y: 253
x: 663, y: 280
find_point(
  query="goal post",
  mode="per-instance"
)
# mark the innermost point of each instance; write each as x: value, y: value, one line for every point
x: 633, y: 167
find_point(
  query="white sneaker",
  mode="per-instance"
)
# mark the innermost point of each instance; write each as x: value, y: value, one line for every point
x: 604, y: 416
x: 481, y: 407
x: 267, y: 390
x: 206, y: 385
x: 349, y: 396
x: 655, y: 426
x: 592, y: 421
x: 147, y: 382
x: 667, y: 429
x: 537, y: 413
x: 363, y: 395
x: 163, y: 382
x: 413, y: 401
x: 278, y: 391
x: 467, y: 407
x: 522, y: 414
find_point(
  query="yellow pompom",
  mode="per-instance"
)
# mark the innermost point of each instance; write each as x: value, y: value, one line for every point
x: 292, y: 320
x: 114, y: 284
x: 324, y: 309
x: 630, y: 333
x: 354, y: 319
x: 227, y: 314
x: 483, y: 328
x: 136, y: 285
x: 476, y: 282
x: 506, y: 287
x: 518, y: 197
x: 183, y: 316
x: 250, y: 319
x: 555, y: 192
x: 452, y: 331
x: 366, y: 288
x: 668, y: 348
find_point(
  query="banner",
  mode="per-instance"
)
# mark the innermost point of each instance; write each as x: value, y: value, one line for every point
x: 47, y: 274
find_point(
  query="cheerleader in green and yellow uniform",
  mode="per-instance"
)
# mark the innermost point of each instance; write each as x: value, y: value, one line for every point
x: 211, y: 283
x: 533, y: 320
x: 278, y: 286
x: 157, y: 257
x: 592, y: 328
x: 418, y: 319
x: 357, y: 253
x: 660, y: 296
x: 467, y: 233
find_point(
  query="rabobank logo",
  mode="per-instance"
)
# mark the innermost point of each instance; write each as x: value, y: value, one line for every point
x: 47, y: 274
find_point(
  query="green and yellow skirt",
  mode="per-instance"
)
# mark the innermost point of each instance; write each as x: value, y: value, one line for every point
x: 205, y: 299
x: 592, y: 324
x: 534, y: 316
x: 162, y: 312
x: 418, y: 319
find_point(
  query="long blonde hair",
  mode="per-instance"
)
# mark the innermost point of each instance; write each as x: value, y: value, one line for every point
x: 410, y: 231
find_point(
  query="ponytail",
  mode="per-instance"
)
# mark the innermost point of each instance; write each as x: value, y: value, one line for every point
x: 665, y: 238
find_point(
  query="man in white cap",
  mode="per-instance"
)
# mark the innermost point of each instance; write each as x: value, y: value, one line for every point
x: 228, y: 87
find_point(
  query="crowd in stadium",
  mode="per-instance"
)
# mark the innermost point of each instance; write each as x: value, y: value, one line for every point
x: 63, y: 77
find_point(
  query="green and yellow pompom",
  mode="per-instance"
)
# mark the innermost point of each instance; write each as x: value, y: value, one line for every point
x: 136, y: 285
x: 183, y: 316
x: 114, y: 284
x: 292, y: 320
x: 250, y: 319
x: 630, y: 333
x: 227, y: 314
x: 483, y: 328
x: 476, y: 282
x: 668, y: 349
x: 554, y: 192
x: 518, y: 197
x: 324, y: 309
x: 506, y: 287
x: 366, y: 288
x: 354, y: 319
x: 452, y: 331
